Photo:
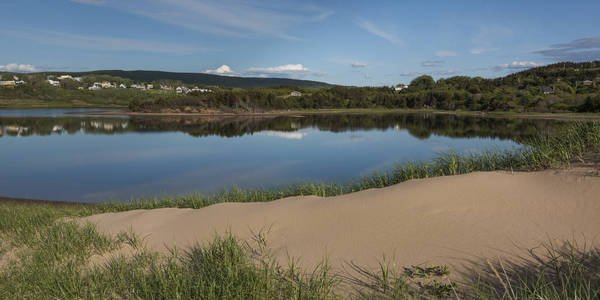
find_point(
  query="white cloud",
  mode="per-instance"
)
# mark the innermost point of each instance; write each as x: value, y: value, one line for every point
x: 104, y: 43
x: 445, y: 53
x: 371, y: 28
x: 357, y: 64
x: 18, y: 68
x: 290, y: 70
x: 224, y: 70
x: 516, y: 65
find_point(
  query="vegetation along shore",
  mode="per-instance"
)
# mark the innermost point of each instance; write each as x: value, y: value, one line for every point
x: 557, y: 88
x: 46, y: 251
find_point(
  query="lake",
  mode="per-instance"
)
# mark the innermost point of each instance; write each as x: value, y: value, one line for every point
x: 47, y: 154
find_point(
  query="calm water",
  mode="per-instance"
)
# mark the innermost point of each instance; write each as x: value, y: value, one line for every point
x: 45, y: 154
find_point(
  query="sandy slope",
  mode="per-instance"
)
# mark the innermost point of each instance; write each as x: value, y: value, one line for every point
x: 438, y: 220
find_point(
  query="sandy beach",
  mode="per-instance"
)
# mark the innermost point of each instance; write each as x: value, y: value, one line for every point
x: 443, y: 220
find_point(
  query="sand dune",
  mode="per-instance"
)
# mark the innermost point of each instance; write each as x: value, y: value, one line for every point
x: 437, y: 220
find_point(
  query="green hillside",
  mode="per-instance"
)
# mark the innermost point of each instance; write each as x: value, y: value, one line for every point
x: 205, y: 79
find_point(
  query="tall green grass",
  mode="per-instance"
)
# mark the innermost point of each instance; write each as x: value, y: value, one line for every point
x: 545, y: 151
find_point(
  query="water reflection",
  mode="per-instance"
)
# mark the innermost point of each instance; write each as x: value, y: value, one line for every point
x: 421, y: 126
x: 90, y: 158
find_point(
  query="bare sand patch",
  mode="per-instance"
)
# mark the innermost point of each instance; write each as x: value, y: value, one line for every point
x: 442, y: 220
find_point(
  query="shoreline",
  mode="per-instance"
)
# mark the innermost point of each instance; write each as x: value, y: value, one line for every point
x: 528, y: 115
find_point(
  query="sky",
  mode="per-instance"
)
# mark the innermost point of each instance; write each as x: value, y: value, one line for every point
x: 350, y: 42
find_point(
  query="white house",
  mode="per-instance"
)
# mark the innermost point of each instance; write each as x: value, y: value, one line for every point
x: 196, y: 89
x: 150, y: 86
x: 54, y: 82
x: 107, y: 85
x: 122, y: 86
x: 400, y: 87
x: 62, y: 77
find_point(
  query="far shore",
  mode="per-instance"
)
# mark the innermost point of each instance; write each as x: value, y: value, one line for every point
x: 527, y: 115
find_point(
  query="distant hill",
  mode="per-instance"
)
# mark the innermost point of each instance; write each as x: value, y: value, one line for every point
x: 206, y: 79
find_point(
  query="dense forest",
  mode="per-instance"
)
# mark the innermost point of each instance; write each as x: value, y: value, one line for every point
x: 562, y: 87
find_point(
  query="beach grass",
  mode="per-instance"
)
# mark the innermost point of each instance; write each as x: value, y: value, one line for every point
x: 49, y: 256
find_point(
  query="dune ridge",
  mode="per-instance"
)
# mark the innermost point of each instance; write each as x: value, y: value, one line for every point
x: 442, y: 220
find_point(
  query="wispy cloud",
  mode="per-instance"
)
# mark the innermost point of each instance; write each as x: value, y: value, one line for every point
x: 358, y: 64
x: 410, y: 74
x: 445, y: 53
x: 432, y: 63
x: 583, y: 49
x: 237, y: 18
x: 478, y: 51
x: 371, y: 28
x: 223, y: 70
x: 488, y: 37
x: 90, y: 2
x: 290, y: 70
x: 104, y: 43
x: 517, y: 65
x: 434, y: 73
x: 14, y: 67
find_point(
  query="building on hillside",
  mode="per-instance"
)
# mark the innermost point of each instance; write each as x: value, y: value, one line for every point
x: 96, y: 86
x: 78, y: 79
x: 55, y: 83
x: 63, y: 77
x: 19, y: 82
x: 122, y: 86
x: 588, y: 82
x: 400, y: 87
x: 295, y: 94
x: 150, y: 86
x: 182, y: 89
x: 8, y: 83
x: 196, y: 89
x: 15, y: 78
x: 546, y: 90
x: 107, y: 85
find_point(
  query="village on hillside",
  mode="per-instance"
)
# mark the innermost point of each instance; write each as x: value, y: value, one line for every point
x: 82, y: 83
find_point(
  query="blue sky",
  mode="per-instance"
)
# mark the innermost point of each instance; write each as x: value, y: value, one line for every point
x: 348, y: 42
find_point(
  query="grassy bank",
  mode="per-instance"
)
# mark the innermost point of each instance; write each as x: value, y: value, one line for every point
x: 44, y: 254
